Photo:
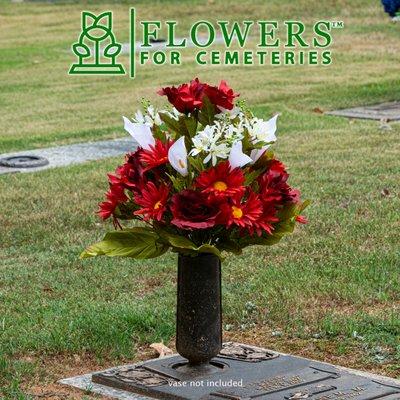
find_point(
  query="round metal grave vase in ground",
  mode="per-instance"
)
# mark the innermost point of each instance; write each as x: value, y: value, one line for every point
x: 199, y: 309
x: 23, y: 161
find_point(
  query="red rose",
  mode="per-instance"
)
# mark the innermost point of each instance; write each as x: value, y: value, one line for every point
x: 222, y: 96
x: 186, y: 97
x: 193, y: 210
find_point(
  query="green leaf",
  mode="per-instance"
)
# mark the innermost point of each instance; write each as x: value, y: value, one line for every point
x: 207, y: 113
x: 190, y: 125
x: 263, y: 241
x: 177, y: 182
x: 305, y: 204
x: 208, y: 248
x: 197, y: 163
x: 182, y: 244
x: 177, y: 241
x: 138, y: 242
x: 231, y: 246
x: 171, y: 123
x: 264, y: 160
x: 252, y: 176
x: 185, y: 126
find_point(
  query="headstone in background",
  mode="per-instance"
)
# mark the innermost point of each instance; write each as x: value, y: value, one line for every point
x: 384, y: 111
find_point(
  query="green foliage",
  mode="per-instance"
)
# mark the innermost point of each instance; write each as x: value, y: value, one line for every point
x: 207, y: 114
x: 145, y: 243
x: 185, y: 126
x: 196, y: 163
x: 183, y: 245
x: 250, y: 177
x: 264, y: 160
x: 189, y: 126
x: 151, y: 242
x: 285, y: 226
x: 171, y: 123
x: 178, y: 182
x: 139, y: 242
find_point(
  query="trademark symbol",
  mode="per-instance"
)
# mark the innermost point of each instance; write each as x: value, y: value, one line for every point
x: 337, y: 24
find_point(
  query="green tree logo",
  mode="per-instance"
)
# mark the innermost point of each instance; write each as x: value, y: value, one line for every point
x: 97, y: 48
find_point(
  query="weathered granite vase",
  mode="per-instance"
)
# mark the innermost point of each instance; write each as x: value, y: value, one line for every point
x: 199, y: 309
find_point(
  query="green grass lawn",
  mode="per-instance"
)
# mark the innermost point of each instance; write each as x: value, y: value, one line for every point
x: 332, y: 290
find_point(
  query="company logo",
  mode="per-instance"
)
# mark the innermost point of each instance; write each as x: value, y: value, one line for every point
x: 97, y: 48
x: 247, y: 43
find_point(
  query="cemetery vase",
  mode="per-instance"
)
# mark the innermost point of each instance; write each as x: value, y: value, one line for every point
x: 199, y: 309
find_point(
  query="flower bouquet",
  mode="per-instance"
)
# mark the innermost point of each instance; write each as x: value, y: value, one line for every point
x: 204, y: 182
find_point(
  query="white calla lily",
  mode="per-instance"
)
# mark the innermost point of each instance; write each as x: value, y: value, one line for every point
x: 237, y: 158
x: 271, y: 129
x: 177, y: 156
x: 140, y: 132
x: 263, y: 131
x: 257, y: 153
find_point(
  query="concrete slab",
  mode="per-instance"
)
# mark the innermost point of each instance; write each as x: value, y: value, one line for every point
x: 384, y: 111
x: 84, y: 382
x: 126, y: 47
x: 74, y: 154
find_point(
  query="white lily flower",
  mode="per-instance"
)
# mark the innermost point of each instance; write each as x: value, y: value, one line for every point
x: 204, y: 139
x: 263, y: 131
x: 175, y: 114
x: 237, y: 158
x: 154, y: 116
x: 257, y: 153
x: 139, y: 117
x: 231, y: 114
x: 140, y: 132
x: 233, y: 133
x: 216, y: 151
x: 177, y: 156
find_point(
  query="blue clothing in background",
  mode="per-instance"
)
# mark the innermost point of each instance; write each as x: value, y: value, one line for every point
x: 391, y: 6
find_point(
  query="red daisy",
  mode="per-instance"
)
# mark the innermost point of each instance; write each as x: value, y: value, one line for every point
x: 156, y: 155
x: 115, y: 196
x: 221, y: 180
x: 301, y: 219
x: 265, y: 222
x: 153, y: 201
x: 243, y: 214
